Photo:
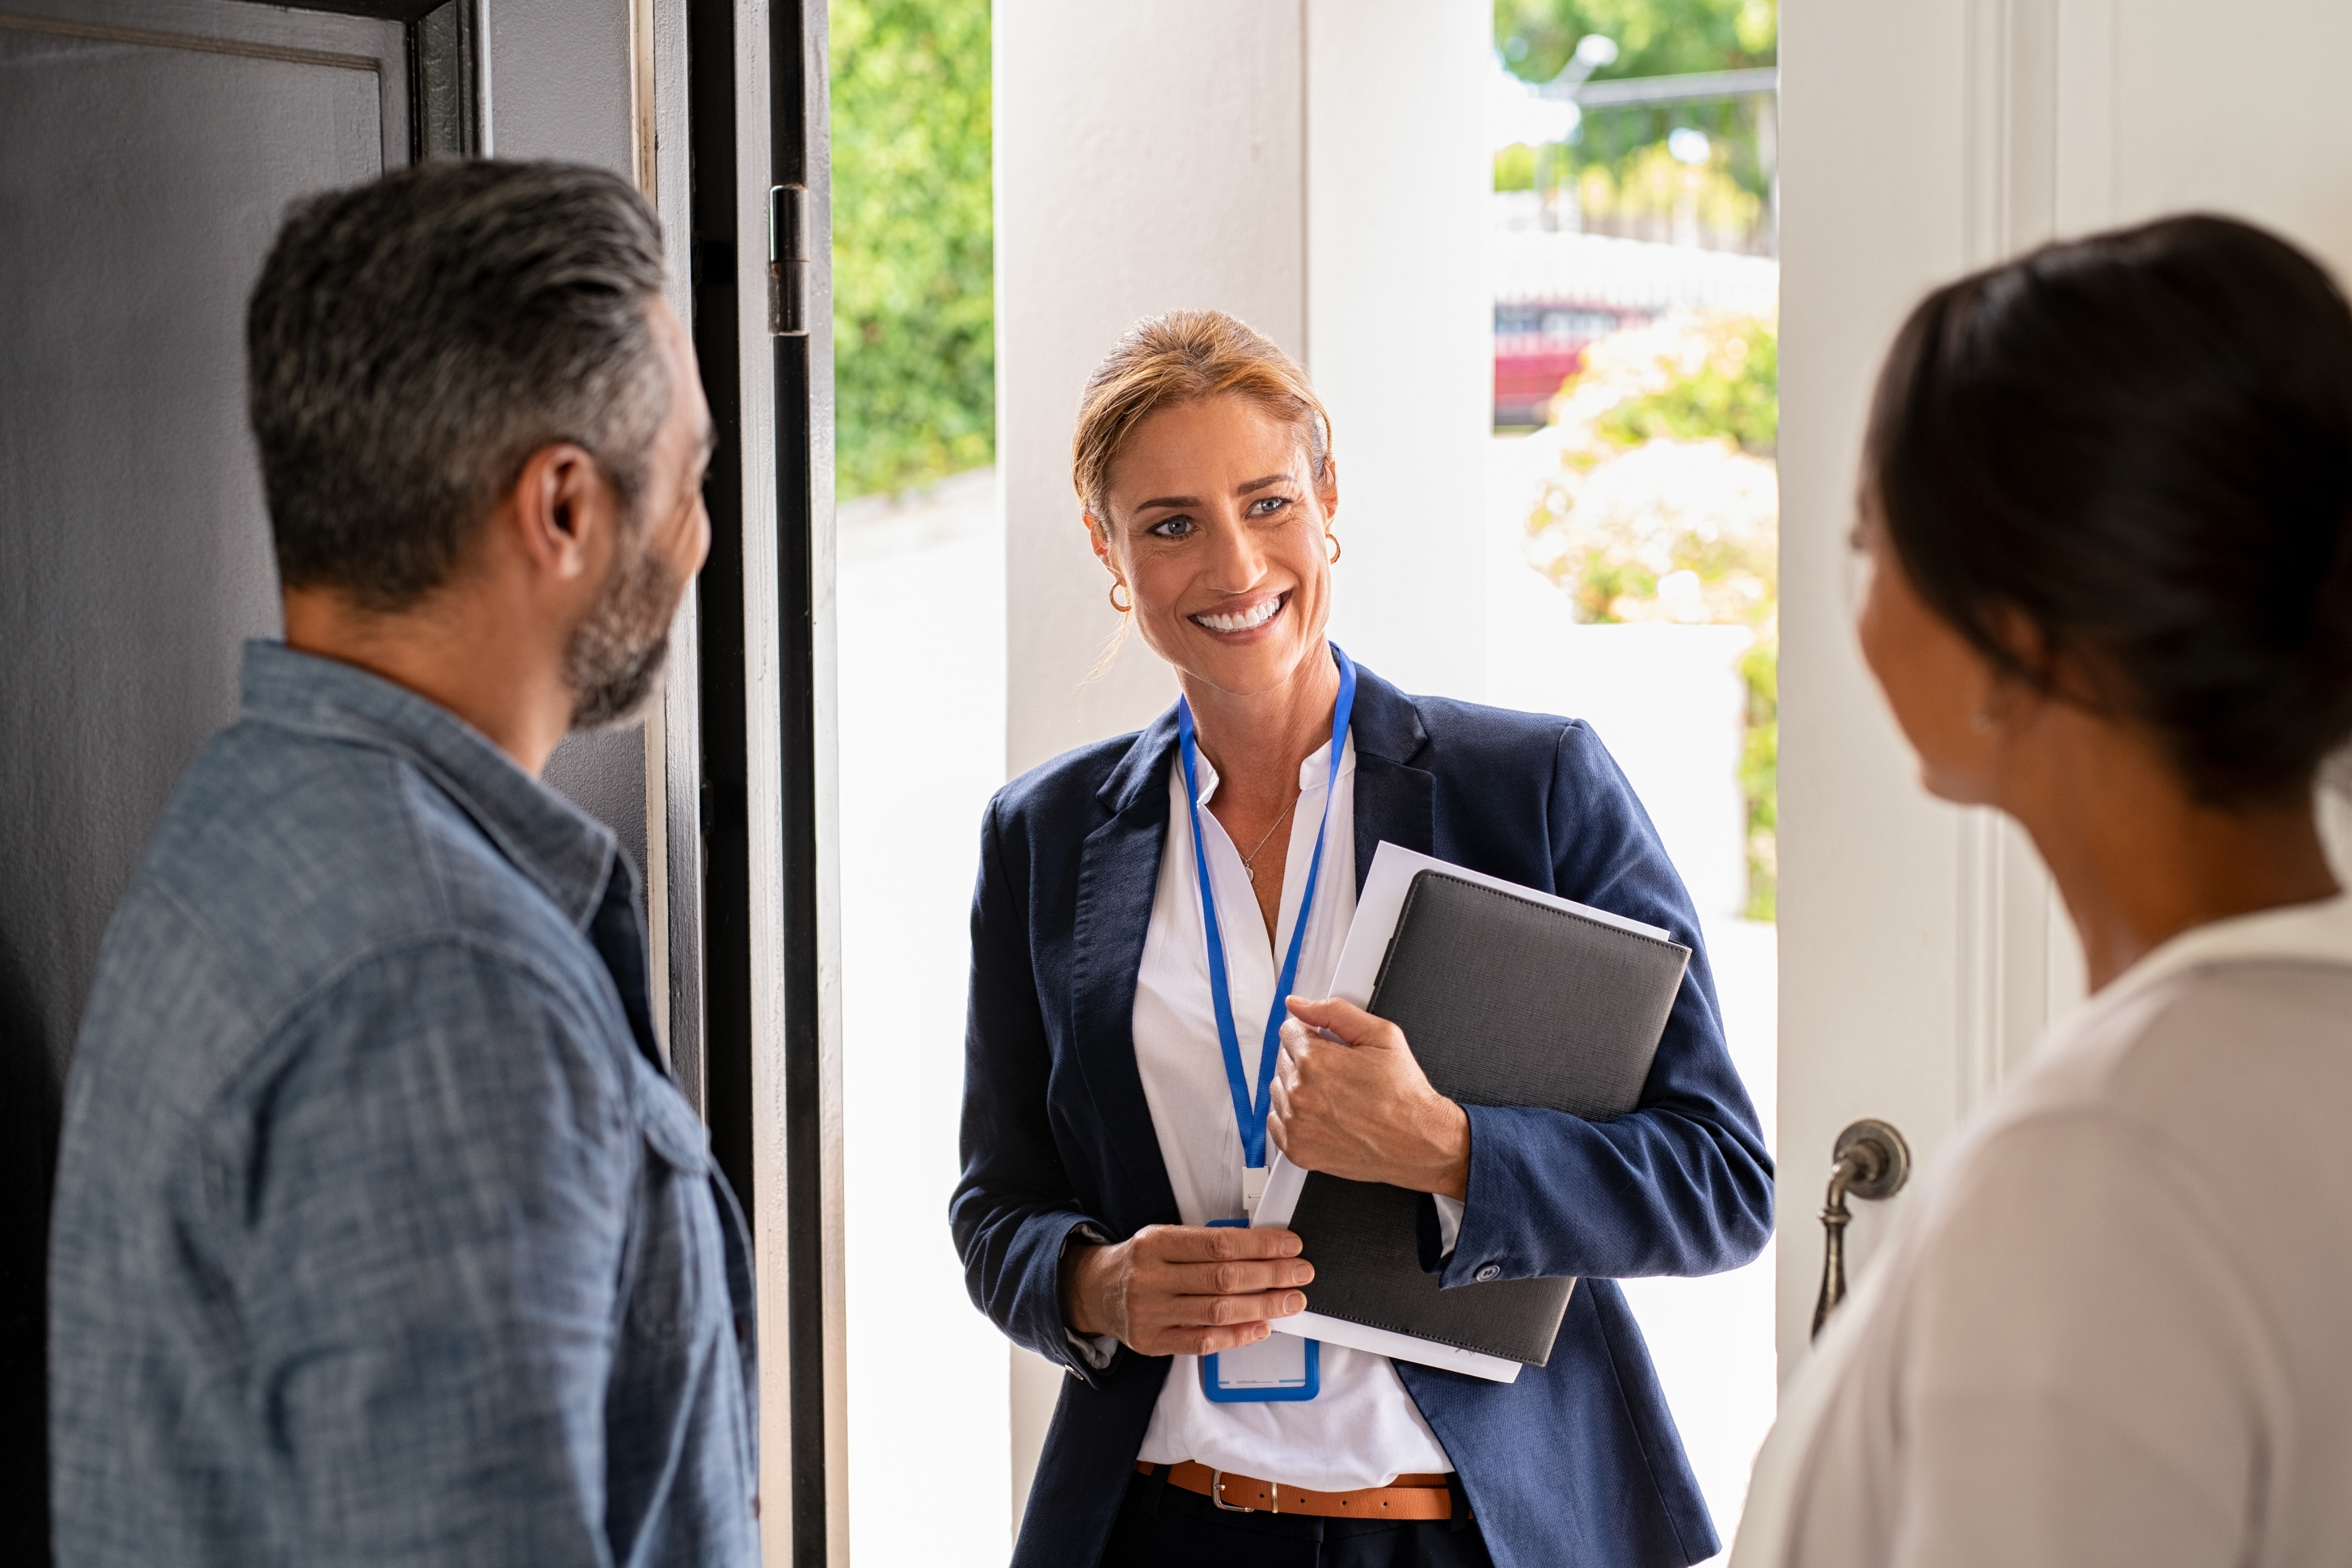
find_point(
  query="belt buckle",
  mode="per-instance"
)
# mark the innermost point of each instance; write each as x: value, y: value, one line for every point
x: 1217, y: 1494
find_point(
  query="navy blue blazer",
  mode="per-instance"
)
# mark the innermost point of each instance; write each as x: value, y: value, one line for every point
x: 1577, y: 1461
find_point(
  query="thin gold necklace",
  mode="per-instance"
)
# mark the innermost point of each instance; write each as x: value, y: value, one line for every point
x: 1250, y: 871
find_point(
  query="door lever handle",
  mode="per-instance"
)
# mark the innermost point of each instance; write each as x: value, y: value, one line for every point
x: 1871, y: 1160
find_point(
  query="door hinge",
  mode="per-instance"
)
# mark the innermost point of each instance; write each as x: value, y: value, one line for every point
x: 788, y: 261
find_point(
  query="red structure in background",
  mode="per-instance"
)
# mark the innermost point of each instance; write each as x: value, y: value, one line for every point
x: 1538, y: 344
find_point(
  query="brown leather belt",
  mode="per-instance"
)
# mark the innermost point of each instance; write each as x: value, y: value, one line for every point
x: 1409, y: 1497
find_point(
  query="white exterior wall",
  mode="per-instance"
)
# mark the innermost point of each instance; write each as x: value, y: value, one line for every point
x: 1400, y: 325
x: 1148, y: 158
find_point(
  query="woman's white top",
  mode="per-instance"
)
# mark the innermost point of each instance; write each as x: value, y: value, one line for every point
x: 2116, y: 1326
x: 1363, y: 1429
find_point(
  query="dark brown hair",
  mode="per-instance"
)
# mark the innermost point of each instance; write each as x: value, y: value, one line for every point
x: 2141, y: 444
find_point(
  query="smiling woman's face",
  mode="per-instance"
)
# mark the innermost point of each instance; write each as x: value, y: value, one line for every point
x: 1217, y: 530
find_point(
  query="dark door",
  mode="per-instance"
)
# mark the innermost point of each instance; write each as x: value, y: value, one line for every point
x: 147, y: 150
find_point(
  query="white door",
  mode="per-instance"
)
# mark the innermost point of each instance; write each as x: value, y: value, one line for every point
x: 1921, y: 952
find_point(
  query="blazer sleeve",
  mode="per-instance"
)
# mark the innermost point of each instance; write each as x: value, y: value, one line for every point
x: 1681, y: 1185
x: 1015, y: 1210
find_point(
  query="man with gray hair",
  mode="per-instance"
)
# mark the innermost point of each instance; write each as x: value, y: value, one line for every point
x: 381, y: 1233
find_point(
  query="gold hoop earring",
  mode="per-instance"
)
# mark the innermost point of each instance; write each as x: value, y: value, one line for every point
x: 1332, y: 540
x: 1114, y: 586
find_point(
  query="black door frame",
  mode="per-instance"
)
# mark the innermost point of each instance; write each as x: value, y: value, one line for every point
x: 792, y: 173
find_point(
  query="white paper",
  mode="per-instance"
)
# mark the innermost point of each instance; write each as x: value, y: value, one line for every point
x: 1381, y: 904
x: 1397, y: 1347
x: 1377, y: 909
x: 1280, y: 1200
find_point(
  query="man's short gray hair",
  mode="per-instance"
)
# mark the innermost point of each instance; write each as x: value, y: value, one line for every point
x: 412, y: 342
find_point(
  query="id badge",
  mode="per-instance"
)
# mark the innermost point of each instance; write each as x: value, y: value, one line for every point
x: 1279, y: 1368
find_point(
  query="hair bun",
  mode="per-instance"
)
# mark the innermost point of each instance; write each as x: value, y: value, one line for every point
x: 2142, y: 442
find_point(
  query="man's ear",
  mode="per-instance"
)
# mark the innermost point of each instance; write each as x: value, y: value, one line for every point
x: 555, y: 508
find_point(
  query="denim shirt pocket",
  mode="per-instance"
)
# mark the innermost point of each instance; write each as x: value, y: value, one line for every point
x: 671, y: 1128
x: 677, y: 1266
x: 708, y: 1300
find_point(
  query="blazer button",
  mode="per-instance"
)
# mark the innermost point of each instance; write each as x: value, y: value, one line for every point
x: 1491, y: 1271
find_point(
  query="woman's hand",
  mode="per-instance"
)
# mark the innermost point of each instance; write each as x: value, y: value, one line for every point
x: 1184, y: 1289
x: 1360, y: 1108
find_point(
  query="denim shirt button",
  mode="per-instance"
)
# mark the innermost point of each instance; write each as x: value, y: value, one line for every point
x: 1491, y: 1271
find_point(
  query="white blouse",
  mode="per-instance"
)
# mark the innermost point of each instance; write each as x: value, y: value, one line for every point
x: 1363, y: 1429
x: 2115, y: 1325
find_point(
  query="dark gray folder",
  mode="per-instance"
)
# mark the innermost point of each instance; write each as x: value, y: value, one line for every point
x: 1504, y: 1001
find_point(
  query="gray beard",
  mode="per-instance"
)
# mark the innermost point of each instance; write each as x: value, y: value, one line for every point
x: 616, y: 655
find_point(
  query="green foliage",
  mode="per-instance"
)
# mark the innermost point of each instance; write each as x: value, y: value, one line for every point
x: 1654, y: 37
x: 1759, y: 775
x: 913, y: 242
x: 1515, y: 168
x: 1736, y: 394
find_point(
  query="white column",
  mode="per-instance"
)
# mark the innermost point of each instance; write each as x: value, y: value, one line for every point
x: 1400, y: 325
x: 1148, y: 158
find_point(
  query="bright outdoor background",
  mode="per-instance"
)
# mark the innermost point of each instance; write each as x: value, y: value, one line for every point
x: 1631, y: 513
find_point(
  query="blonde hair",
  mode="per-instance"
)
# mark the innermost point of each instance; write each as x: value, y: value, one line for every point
x: 1179, y: 357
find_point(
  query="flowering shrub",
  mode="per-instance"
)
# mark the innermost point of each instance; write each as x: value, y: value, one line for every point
x: 1664, y: 506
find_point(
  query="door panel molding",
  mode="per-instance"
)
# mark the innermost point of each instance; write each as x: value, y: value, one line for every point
x: 2029, y: 149
x: 107, y: 33
x: 334, y: 40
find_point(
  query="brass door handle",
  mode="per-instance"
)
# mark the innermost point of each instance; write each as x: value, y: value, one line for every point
x: 1871, y: 1160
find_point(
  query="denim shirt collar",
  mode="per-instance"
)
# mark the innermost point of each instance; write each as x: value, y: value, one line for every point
x: 567, y: 852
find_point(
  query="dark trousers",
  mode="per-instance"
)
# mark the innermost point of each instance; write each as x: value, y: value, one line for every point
x: 1160, y: 1526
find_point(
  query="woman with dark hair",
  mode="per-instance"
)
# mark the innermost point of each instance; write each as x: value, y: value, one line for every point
x: 2107, y: 509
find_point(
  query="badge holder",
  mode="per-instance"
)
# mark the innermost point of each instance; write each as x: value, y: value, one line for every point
x: 1278, y: 1369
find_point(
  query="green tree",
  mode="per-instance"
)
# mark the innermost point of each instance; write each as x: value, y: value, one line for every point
x: 913, y: 242
x: 1654, y: 37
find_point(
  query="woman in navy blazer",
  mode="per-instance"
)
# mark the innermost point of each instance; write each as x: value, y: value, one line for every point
x: 1064, y: 1182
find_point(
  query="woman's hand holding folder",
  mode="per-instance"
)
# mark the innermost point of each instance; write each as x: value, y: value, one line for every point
x: 1349, y: 1101
x: 1184, y: 1289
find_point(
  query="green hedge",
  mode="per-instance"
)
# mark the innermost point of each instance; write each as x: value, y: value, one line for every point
x: 914, y: 311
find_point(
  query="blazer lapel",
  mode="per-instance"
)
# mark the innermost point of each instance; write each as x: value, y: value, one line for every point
x: 1119, y: 877
x: 1395, y: 801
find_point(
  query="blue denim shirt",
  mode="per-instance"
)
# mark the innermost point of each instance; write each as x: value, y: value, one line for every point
x: 380, y: 1237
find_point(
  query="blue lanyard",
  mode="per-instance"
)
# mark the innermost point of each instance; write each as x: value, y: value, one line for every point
x: 1252, y: 1117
